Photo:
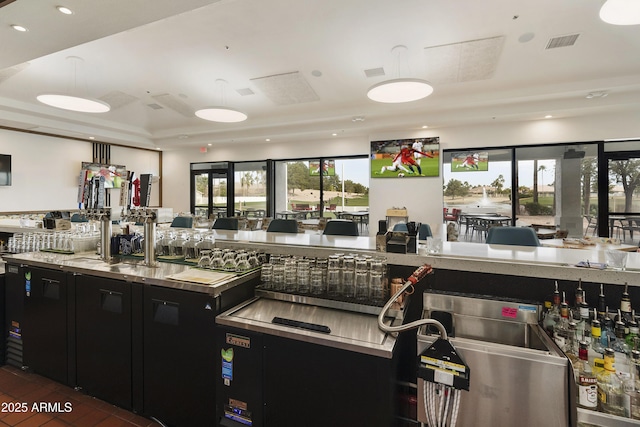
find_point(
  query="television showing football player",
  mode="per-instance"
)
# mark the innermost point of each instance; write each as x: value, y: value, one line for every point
x: 405, y: 158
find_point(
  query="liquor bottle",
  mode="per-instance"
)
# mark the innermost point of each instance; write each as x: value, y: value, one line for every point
x: 552, y: 316
x: 575, y: 310
x: 607, y: 335
x: 602, y: 303
x: 584, y: 328
x: 634, y: 331
x: 561, y: 329
x: 586, y: 381
x: 579, y: 293
x: 622, y: 350
x: 571, y: 343
x: 596, y: 332
x: 625, y: 306
x: 610, y: 394
x: 632, y: 388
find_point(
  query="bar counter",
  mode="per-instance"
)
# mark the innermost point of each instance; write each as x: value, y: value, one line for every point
x: 127, y: 270
x: 526, y: 261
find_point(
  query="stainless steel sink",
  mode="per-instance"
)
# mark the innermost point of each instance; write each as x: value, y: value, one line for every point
x: 513, y: 363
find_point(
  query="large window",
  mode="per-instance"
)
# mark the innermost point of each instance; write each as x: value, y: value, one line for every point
x: 481, y: 184
x: 209, y: 189
x: 621, y: 213
x: 250, y: 195
x: 557, y: 187
x: 322, y: 187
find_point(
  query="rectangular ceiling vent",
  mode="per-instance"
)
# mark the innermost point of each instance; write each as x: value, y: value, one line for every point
x: 374, y: 72
x: 173, y: 103
x: 155, y: 106
x: 461, y: 62
x: 286, y: 89
x: 117, y: 99
x: 562, y: 41
x: 245, y: 92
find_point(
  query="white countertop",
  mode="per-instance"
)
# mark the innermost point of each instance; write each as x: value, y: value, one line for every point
x: 543, y: 262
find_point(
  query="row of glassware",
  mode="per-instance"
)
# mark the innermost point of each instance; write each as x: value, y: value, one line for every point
x: 66, y: 241
x: 341, y: 276
x: 169, y: 243
x: 238, y: 261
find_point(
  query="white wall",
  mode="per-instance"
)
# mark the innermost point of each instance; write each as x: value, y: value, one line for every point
x: 421, y: 196
x: 45, y: 170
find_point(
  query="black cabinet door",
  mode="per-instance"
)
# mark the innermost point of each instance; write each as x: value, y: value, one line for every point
x: 44, y: 330
x: 179, y: 350
x: 317, y: 386
x: 103, y: 339
x: 14, y: 303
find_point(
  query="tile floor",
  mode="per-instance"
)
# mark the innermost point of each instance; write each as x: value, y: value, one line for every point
x: 66, y: 407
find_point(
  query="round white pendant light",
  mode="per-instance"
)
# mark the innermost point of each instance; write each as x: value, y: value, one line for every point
x: 74, y: 103
x: 400, y: 90
x: 621, y: 12
x: 71, y: 100
x: 221, y: 114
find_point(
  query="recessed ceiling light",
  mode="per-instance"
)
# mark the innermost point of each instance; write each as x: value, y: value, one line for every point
x: 548, y: 116
x: 334, y: 134
x: 92, y: 137
x: 19, y: 28
x: 209, y: 145
x: 526, y: 37
x: 268, y: 139
x: 64, y: 10
x: 425, y: 126
x: 357, y: 119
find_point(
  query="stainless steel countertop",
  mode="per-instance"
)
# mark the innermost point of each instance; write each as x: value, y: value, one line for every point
x: 350, y: 331
x: 132, y: 271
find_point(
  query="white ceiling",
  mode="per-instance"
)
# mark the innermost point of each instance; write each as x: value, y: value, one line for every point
x: 170, y: 53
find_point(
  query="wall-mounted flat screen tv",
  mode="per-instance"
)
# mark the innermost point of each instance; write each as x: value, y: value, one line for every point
x: 470, y: 161
x: 5, y: 169
x: 399, y: 158
x: 113, y: 174
x: 328, y: 168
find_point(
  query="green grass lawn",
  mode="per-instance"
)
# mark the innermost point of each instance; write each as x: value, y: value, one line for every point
x: 430, y: 167
x: 545, y: 200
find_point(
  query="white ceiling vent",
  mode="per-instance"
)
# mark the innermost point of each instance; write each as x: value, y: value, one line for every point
x: 174, y: 104
x: 245, y: 92
x: 12, y: 71
x: 463, y: 62
x: 374, y: 72
x: 562, y: 41
x: 286, y: 89
x: 117, y: 99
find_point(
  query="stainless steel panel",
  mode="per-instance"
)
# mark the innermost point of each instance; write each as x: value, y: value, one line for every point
x: 480, y: 306
x: 491, y: 330
x: 508, y: 385
x: 133, y: 271
x: 350, y: 331
x: 587, y: 418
